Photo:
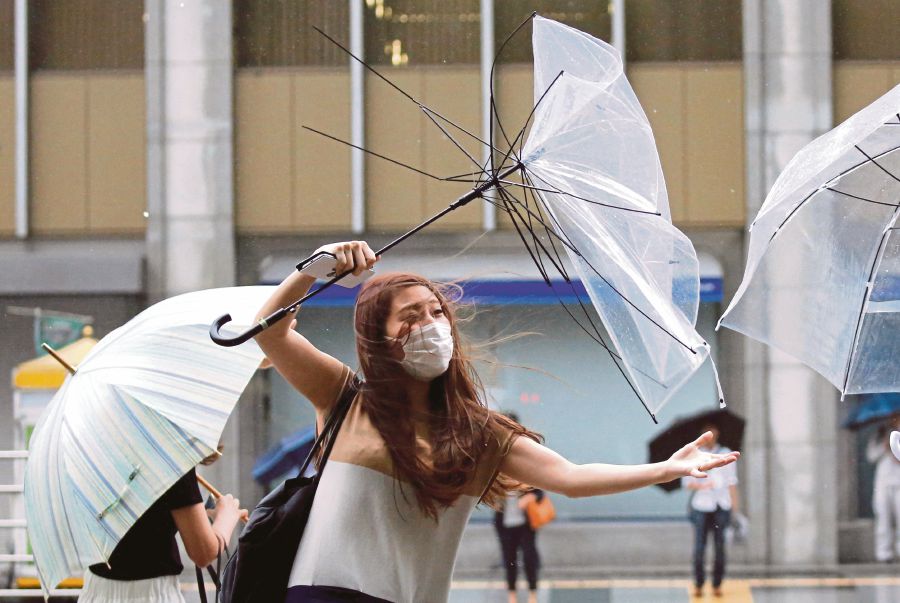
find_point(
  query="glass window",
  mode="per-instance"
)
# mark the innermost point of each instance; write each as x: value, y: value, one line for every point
x: 589, y: 16
x: 865, y: 31
x: 683, y: 30
x: 88, y: 34
x: 7, y: 28
x: 422, y: 32
x: 279, y: 33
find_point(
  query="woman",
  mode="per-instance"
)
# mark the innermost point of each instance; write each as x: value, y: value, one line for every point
x: 713, y: 501
x: 145, y: 565
x: 418, y: 448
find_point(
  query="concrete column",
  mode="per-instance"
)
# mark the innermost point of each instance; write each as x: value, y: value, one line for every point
x: 190, y: 193
x: 791, y: 444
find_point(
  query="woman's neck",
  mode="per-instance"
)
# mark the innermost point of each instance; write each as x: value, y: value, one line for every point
x: 417, y: 394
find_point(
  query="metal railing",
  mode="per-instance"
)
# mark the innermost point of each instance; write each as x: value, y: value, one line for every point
x: 19, y: 523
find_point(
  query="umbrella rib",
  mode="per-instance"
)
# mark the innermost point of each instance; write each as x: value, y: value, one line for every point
x: 537, y: 262
x: 878, y: 165
x: 857, y: 197
x: 373, y: 153
x: 599, y: 338
x: 398, y: 88
x: 493, y: 104
x: 879, y: 255
x: 456, y: 143
x: 576, y: 251
x: 561, y: 269
x: 520, y: 136
x: 557, y: 190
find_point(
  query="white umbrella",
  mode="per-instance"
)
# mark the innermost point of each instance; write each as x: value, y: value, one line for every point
x: 148, y: 403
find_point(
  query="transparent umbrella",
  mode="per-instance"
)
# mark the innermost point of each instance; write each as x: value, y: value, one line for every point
x: 586, y: 184
x: 822, y: 281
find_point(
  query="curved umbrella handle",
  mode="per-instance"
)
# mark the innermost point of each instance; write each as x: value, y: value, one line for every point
x: 895, y: 443
x: 228, y: 342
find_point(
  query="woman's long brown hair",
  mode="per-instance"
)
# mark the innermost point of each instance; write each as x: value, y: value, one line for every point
x: 460, y: 423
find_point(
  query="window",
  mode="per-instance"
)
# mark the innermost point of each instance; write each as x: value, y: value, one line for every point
x: 422, y: 32
x: 589, y: 16
x: 7, y: 42
x: 85, y: 34
x: 865, y: 31
x: 683, y: 30
x: 279, y: 33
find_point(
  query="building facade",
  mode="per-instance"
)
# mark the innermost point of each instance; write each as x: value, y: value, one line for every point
x: 165, y: 151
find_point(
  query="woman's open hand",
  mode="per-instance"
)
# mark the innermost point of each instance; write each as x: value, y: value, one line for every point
x: 695, y: 462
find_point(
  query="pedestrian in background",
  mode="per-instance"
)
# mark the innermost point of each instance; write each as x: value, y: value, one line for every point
x: 515, y: 533
x: 885, y: 492
x: 713, y: 501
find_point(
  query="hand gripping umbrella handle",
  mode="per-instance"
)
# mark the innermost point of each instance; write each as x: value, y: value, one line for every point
x: 268, y: 321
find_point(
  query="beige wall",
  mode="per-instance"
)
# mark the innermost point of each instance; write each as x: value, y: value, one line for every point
x: 88, y: 144
x: 857, y: 84
x: 7, y: 157
x: 289, y: 179
x: 87, y: 171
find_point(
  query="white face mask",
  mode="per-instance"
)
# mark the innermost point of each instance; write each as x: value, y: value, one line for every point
x: 427, y: 351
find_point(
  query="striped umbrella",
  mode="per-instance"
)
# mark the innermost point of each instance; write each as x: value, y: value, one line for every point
x: 145, y: 406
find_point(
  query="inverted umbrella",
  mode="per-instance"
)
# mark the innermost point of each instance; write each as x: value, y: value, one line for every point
x: 871, y: 409
x: 587, y: 180
x: 822, y: 281
x: 146, y: 405
x: 731, y: 435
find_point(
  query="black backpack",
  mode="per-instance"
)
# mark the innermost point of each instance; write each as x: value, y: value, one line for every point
x: 260, y: 568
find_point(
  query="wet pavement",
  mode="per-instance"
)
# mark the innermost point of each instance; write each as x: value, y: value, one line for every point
x: 869, y: 589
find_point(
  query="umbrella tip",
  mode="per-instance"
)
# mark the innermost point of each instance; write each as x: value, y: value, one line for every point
x: 722, y: 403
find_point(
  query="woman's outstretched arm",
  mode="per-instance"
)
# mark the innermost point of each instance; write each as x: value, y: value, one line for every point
x: 312, y: 372
x: 538, y: 466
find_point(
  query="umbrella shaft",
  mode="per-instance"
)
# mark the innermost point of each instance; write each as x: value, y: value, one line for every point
x: 463, y: 200
x: 472, y: 194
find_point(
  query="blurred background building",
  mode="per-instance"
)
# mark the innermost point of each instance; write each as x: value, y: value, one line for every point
x: 153, y: 148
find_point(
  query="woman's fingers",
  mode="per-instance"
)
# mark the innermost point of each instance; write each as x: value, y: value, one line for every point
x: 359, y: 258
x: 341, y: 259
x: 703, y: 440
x: 370, y: 256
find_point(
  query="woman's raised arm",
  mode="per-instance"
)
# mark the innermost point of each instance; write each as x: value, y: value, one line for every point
x: 536, y: 465
x: 312, y: 372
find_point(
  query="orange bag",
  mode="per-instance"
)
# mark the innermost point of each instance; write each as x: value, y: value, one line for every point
x: 540, y: 513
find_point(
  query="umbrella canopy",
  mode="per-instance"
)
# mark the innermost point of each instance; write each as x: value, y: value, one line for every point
x: 592, y: 156
x: 587, y: 179
x: 287, y: 454
x: 825, y: 253
x: 731, y: 435
x: 146, y: 405
x: 871, y: 409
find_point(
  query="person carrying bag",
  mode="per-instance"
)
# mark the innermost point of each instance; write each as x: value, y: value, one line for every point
x: 260, y: 568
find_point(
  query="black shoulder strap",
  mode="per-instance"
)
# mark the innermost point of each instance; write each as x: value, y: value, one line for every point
x: 332, y: 425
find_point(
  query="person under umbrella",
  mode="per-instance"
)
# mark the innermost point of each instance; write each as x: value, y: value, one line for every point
x: 713, y: 501
x: 145, y: 565
x: 885, y: 492
x: 418, y: 447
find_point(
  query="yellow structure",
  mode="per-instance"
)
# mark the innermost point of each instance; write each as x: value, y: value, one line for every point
x: 34, y: 384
